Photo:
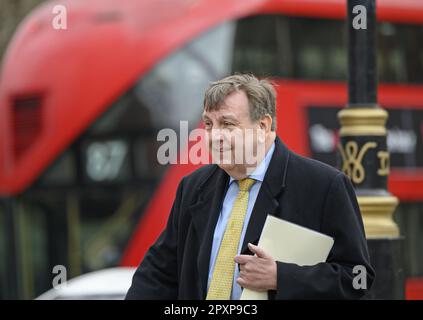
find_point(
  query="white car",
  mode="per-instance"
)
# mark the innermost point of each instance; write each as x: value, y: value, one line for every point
x: 107, y: 284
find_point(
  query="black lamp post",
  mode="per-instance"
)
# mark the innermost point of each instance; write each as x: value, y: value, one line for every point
x: 363, y: 152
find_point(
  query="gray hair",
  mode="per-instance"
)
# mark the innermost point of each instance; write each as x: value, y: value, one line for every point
x: 260, y: 93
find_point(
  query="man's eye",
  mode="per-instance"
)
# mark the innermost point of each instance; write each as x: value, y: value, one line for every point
x: 207, y: 124
x: 226, y: 123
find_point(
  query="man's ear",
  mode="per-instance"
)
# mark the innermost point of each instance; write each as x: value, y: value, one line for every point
x: 266, y: 123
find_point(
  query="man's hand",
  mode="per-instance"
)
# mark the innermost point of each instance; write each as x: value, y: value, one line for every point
x: 258, y: 272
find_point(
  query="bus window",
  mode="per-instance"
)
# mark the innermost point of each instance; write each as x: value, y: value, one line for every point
x: 315, y: 49
x: 29, y: 242
x: 409, y: 217
x: 400, y: 53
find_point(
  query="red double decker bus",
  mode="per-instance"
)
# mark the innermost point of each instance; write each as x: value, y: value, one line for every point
x: 80, y: 109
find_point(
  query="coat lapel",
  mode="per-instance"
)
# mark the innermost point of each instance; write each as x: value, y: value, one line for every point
x: 265, y: 204
x: 267, y: 200
x: 205, y: 214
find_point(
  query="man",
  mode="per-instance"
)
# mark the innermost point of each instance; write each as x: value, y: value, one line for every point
x: 209, y: 247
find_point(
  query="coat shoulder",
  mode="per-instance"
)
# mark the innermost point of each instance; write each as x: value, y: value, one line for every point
x: 198, y: 177
x: 312, y: 170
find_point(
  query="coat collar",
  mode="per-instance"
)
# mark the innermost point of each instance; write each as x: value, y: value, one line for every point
x: 205, y: 212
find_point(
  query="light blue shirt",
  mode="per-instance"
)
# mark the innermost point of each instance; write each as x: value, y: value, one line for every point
x: 231, y: 194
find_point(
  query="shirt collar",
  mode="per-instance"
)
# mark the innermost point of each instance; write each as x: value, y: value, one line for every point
x: 260, y: 171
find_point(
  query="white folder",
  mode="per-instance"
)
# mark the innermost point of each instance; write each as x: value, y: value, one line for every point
x: 290, y: 243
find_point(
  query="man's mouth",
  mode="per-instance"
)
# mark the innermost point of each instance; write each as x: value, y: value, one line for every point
x: 221, y: 150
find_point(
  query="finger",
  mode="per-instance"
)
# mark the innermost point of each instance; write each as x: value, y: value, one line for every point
x: 259, y: 251
x: 242, y: 282
x: 242, y: 259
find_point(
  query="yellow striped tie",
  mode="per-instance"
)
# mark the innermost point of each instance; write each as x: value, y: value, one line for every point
x: 223, y: 273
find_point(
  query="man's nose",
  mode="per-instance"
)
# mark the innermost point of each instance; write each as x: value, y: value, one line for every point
x: 217, y: 134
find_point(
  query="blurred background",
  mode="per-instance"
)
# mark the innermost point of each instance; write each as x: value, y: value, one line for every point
x: 11, y: 14
x: 85, y: 86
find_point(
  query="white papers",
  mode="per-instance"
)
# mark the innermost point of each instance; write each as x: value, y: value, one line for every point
x: 290, y: 243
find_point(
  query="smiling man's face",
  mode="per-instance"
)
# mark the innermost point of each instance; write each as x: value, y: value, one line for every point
x: 232, y: 136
